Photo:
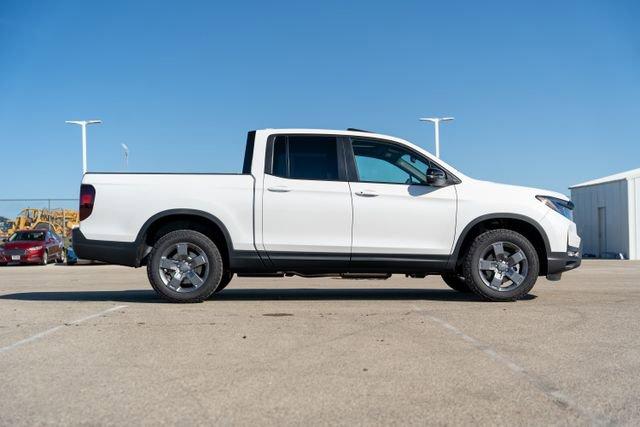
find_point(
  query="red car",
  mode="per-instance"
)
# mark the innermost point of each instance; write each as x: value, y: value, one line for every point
x: 32, y: 247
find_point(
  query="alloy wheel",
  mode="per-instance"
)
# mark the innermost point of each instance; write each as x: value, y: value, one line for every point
x: 184, y: 267
x: 503, y: 266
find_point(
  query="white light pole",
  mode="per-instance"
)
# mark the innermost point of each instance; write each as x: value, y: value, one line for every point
x: 84, y: 124
x: 126, y: 156
x: 436, y: 122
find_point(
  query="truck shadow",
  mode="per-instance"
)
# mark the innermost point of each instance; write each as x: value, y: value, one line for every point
x: 257, y: 294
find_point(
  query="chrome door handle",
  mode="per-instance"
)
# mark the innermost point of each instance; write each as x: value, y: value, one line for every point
x: 279, y: 189
x: 366, y: 193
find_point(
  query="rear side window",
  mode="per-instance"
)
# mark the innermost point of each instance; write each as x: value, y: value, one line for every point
x: 306, y: 157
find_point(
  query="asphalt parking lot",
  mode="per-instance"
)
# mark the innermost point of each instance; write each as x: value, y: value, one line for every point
x: 93, y: 345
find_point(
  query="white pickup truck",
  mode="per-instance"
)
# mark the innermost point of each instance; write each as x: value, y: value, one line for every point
x: 324, y: 202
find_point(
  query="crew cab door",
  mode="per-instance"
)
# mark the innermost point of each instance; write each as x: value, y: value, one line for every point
x: 398, y: 218
x: 306, y: 203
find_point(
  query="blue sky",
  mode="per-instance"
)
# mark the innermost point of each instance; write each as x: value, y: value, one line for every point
x: 545, y: 94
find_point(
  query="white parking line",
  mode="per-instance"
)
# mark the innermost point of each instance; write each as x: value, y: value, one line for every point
x: 552, y: 392
x: 54, y: 329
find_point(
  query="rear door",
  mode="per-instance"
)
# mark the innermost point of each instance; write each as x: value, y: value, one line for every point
x: 306, y: 203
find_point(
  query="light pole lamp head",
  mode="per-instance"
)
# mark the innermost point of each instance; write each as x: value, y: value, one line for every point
x: 436, y: 119
x: 83, y: 122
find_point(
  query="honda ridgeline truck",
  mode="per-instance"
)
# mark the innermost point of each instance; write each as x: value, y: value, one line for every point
x: 323, y: 202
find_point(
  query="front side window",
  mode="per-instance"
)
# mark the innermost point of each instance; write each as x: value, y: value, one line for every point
x: 388, y: 163
x: 306, y: 157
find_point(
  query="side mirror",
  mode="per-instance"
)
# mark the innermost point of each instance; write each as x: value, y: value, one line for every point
x: 5, y: 240
x: 436, y: 177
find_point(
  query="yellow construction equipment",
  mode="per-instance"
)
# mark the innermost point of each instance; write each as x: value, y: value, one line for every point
x: 59, y: 220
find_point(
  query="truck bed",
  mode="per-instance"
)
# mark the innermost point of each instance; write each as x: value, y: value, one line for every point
x: 125, y: 201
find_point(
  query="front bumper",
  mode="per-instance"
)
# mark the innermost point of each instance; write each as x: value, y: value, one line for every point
x: 559, y: 262
x: 26, y: 257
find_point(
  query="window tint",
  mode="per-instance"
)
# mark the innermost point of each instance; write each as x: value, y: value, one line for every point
x: 387, y: 163
x: 306, y: 157
x: 280, y: 166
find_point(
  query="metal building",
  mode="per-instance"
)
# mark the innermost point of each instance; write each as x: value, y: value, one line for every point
x: 607, y: 214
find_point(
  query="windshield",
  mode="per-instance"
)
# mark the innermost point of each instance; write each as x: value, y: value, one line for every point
x: 27, y: 236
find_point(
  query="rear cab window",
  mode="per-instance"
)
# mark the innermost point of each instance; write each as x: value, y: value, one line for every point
x: 309, y: 157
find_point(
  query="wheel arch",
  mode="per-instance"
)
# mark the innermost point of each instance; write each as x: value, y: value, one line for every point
x: 524, y: 225
x: 188, y: 219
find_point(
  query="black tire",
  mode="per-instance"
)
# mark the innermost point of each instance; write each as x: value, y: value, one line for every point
x: 45, y: 258
x: 477, y: 278
x: 158, y: 276
x: 226, y: 278
x: 61, y: 258
x: 456, y: 282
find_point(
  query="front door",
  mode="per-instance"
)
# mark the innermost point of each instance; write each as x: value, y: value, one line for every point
x: 306, y: 204
x: 398, y: 218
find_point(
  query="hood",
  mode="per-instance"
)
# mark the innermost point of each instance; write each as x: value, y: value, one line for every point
x: 518, y: 191
x: 22, y: 244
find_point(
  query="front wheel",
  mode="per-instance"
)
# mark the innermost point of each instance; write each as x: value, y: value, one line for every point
x: 501, y: 265
x: 45, y: 258
x: 185, y: 266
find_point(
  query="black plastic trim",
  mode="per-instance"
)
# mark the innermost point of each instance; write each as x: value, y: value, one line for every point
x: 559, y: 262
x: 309, y: 261
x: 248, y: 152
x: 140, y: 238
x: 322, y: 262
x: 398, y: 263
x: 121, y: 253
x: 503, y: 215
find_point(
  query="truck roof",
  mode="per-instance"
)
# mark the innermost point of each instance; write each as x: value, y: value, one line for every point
x: 348, y: 132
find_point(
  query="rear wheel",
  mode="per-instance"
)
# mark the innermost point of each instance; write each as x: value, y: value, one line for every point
x: 226, y: 278
x: 185, y: 266
x: 456, y: 282
x: 501, y: 265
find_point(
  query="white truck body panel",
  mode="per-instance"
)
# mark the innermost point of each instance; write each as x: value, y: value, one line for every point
x: 125, y: 202
x: 306, y: 216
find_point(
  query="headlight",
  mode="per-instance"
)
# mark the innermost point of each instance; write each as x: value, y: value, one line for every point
x: 563, y: 207
x: 35, y: 248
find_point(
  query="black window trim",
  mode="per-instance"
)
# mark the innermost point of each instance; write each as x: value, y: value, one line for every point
x: 248, y: 153
x: 341, y: 142
x: 353, y: 169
